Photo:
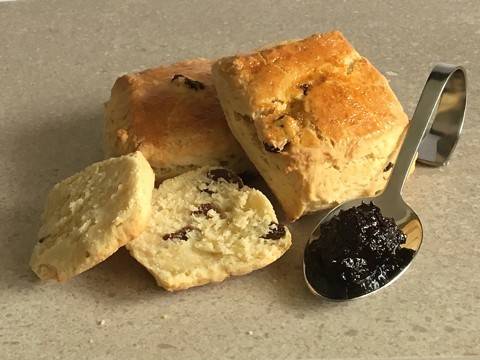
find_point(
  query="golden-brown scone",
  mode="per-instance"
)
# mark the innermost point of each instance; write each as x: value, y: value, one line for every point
x: 318, y: 121
x: 172, y: 115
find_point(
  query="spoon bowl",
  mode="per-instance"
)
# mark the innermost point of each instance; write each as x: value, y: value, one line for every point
x: 446, y: 83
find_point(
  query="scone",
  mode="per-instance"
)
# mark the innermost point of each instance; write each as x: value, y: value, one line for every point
x: 91, y: 214
x: 319, y: 122
x: 205, y: 226
x: 172, y: 115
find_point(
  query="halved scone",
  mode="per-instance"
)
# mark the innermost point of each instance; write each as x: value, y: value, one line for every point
x: 206, y: 225
x: 91, y: 214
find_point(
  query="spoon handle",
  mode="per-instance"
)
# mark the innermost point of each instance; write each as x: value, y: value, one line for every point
x: 436, y: 86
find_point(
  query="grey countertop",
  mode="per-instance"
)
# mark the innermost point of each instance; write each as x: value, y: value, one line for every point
x: 58, y: 60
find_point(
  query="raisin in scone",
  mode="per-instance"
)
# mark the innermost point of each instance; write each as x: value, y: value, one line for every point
x: 205, y: 226
x: 172, y: 115
x: 89, y: 215
x: 319, y: 122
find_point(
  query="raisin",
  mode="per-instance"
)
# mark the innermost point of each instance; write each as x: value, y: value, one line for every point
x: 388, y: 167
x: 41, y: 240
x: 203, y: 209
x: 208, y: 191
x: 272, y: 148
x: 225, y: 174
x: 181, y: 234
x: 305, y: 88
x: 192, y: 84
x: 275, y: 232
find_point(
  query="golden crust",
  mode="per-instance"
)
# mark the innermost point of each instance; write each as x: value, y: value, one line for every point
x: 319, y: 122
x: 176, y: 124
x: 320, y: 81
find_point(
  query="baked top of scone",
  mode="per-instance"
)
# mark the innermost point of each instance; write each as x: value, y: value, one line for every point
x: 171, y: 113
x: 206, y: 225
x: 308, y: 90
x: 91, y: 214
x: 319, y: 122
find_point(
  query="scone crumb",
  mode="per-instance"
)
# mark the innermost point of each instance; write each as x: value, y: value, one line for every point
x: 101, y: 322
x: 250, y: 332
x: 391, y: 73
x: 164, y: 316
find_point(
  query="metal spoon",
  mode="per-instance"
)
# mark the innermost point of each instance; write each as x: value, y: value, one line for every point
x: 444, y: 96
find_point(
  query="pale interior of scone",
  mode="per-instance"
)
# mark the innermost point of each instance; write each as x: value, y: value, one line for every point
x: 91, y: 214
x: 214, y: 229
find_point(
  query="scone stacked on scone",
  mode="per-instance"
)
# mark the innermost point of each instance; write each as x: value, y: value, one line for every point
x: 172, y: 115
x: 91, y: 214
x: 318, y: 121
x: 205, y: 226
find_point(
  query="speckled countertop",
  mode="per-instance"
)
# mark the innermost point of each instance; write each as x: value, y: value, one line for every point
x: 58, y: 60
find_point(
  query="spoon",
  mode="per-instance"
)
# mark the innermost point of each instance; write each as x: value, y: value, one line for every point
x: 446, y: 83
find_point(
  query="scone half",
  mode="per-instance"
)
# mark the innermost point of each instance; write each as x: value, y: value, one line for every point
x: 318, y: 121
x: 206, y: 226
x: 172, y: 115
x: 91, y: 214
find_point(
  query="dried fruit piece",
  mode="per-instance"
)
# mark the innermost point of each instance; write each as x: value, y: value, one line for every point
x: 192, y: 84
x: 203, y: 209
x: 181, y: 234
x: 305, y: 88
x: 206, y: 190
x: 388, y: 167
x: 226, y: 175
x: 276, y: 231
x: 277, y: 132
x: 273, y: 149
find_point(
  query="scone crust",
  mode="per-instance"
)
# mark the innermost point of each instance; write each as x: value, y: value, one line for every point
x: 265, y: 81
x: 177, y: 127
x: 91, y: 214
x: 320, y: 106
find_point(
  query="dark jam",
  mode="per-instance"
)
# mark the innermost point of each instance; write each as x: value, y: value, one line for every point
x: 358, y: 251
